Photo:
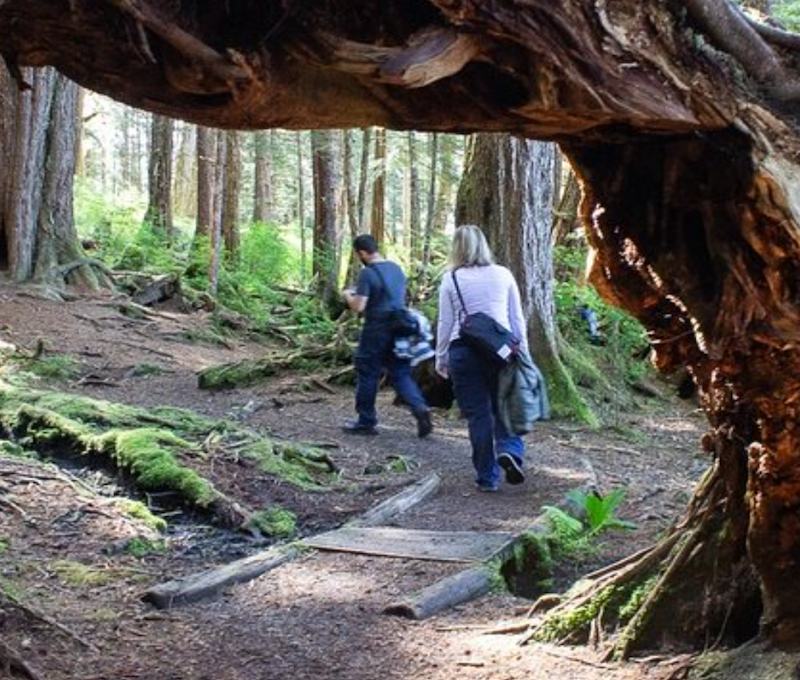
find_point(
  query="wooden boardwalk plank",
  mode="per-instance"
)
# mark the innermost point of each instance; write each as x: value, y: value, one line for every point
x: 438, y: 546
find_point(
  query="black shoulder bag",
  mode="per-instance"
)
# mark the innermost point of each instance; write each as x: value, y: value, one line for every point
x: 403, y: 322
x: 483, y: 333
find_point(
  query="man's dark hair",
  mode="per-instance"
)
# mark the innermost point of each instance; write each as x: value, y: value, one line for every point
x: 365, y: 242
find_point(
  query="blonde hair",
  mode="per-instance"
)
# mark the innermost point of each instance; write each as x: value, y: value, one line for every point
x: 470, y: 248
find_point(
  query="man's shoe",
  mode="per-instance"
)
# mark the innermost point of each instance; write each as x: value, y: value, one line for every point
x: 354, y: 427
x: 512, y: 468
x: 424, y: 423
x: 486, y: 488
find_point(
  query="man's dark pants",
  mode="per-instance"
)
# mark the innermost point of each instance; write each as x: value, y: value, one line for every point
x: 373, y: 354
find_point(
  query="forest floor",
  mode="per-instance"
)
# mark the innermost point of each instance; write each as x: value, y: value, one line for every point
x: 318, y: 616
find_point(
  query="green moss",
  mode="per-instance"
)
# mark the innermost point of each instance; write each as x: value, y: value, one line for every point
x: 292, y: 463
x: 275, y: 521
x: 80, y: 575
x: 13, y: 450
x: 4, y: 544
x: 148, y: 444
x: 230, y: 376
x: 563, y: 625
x: 142, y: 547
x: 565, y: 398
x: 51, y: 367
x: 140, y: 511
x: 149, y: 455
x: 11, y: 591
x: 636, y: 599
x: 144, y: 370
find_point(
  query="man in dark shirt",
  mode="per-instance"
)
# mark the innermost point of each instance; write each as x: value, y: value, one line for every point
x: 380, y: 291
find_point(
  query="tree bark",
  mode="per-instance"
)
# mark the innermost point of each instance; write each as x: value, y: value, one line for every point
x: 184, y: 186
x: 378, y: 222
x: 507, y: 190
x: 363, y: 180
x: 414, y: 203
x: 352, y: 207
x: 301, y: 205
x: 23, y: 200
x: 263, y: 191
x: 206, y: 162
x: 567, y: 218
x: 58, y: 253
x: 326, y: 260
x: 38, y: 138
x: 159, y: 177
x: 431, y: 216
x: 216, y: 235
x: 232, y: 187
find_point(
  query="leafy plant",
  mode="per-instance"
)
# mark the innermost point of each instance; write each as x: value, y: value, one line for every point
x: 568, y: 536
x: 600, y: 510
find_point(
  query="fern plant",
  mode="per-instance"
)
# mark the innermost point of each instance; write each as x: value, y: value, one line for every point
x: 600, y: 511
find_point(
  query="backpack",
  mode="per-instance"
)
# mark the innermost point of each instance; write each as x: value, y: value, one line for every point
x: 403, y: 321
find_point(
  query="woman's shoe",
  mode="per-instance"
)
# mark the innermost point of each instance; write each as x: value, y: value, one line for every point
x: 512, y: 468
x: 354, y: 427
x: 487, y: 488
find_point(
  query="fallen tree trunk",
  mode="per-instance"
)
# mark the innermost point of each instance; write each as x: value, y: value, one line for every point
x: 210, y: 583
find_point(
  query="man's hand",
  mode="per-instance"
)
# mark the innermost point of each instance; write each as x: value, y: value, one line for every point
x: 355, y: 302
x: 443, y: 371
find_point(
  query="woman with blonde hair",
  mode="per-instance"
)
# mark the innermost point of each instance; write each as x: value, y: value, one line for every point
x: 476, y: 284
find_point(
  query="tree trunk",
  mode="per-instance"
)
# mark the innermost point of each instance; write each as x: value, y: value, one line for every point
x: 363, y: 180
x: 159, y: 177
x: 301, y: 205
x: 80, y: 151
x: 414, y: 204
x: 567, y: 218
x: 326, y: 260
x: 431, y: 217
x: 378, y: 225
x: 38, y: 137
x: 216, y: 236
x: 184, y: 186
x: 206, y: 163
x: 507, y: 190
x: 59, y: 255
x: 352, y: 207
x: 231, y: 189
x: 27, y: 170
x: 652, y: 101
x: 263, y: 198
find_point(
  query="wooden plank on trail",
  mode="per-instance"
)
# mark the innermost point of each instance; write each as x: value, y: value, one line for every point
x: 437, y: 546
x: 401, y: 502
x: 209, y: 583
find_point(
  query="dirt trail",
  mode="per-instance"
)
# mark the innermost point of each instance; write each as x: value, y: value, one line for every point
x: 318, y: 616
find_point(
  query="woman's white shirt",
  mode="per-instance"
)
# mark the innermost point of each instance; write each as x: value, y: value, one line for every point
x: 489, y: 289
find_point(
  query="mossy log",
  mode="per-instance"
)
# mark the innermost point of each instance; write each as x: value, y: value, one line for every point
x: 254, y: 371
x: 149, y: 446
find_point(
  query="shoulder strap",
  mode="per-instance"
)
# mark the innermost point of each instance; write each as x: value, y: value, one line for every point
x: 385, y: 288
x: 458, y: 290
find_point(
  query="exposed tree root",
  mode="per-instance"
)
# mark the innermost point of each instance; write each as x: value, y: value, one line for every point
x: 11, y: 663
x: 626, y: 595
